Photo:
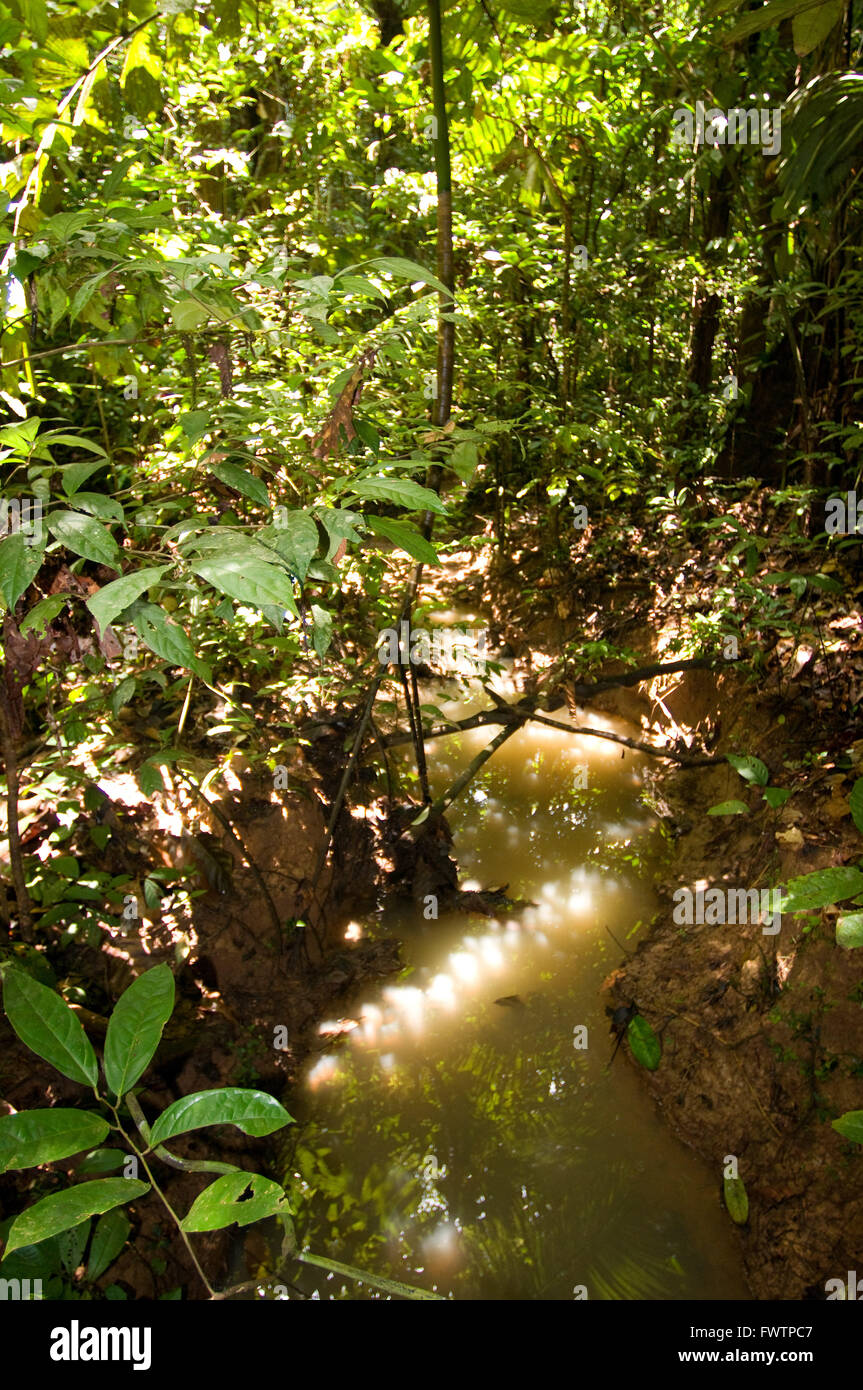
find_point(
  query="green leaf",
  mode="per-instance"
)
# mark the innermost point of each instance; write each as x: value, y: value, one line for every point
x: 404, y: 537
x: 297, y: 542
x: 97, y: 505
x: 322, y: 632
x: 194, y: 424
x: 188, y: 315
x: 46, y: 1024
x: 112, y: 1231
x: 358, y: 284
x: 74, y: 474
x: 102, y: 1161
x: 84, y: 536
x: 849, y: 931
x: 812, y: 25
x: 850, y: 1125
x: 44, y: 1136
x: 135, y: 1027
x: 464, y: 460
x: 219, y: 1205
x: 645, y: 1045
x: 729, y: 808
x: 750, y: 769
x: 115, y: 597
x: 776, y: 796
x: 253, y: 1112
x: 64, y: 1210
x: 248, y: 579
x: 855, y: 801
x: 736, y: 1200
x: 242, y: 481
x: 166, y: 639
x: 35, y: 16
x: 150, y: 779
x: 72, y: 1245
x: 821, y: 888
x: 407, y: 270
x: 403, y: 491
x: 765, y: 17
x: 73, y: 441
x: 42, y: 613
x: 19, y: 565
x: 339, y: 524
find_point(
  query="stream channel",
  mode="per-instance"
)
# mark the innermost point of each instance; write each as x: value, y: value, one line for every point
x: 461, y: 1139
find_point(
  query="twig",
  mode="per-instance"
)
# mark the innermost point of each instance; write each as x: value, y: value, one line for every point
x: 515, y: 715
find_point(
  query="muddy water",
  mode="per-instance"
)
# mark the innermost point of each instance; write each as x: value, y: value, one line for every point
x: 462, y: 1138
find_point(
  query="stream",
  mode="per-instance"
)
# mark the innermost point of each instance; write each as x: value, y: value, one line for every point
x: 462, y: 1138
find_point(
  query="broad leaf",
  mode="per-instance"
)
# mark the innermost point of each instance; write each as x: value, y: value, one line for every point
x: 254, y: 1112
x: 64, y: 1210
x: 322, y: 631
x: 750, y: 769
x: 188, y: 314
x: 850, y: 1125
x: 44, y: 1136
x: 812, y: 25
x: 776, y: 796
x: 219, y: 1205
x: 849, y: 931
x: 855, y: 801
x: 407, y: 270
x: 42, y: 613
x: 72, y: 1245
x: 248, y: 579
x: 113, y: 598
x: 19, y: 565
x: 135, y: 1027
x: 100, y: 1161
x: 340, y: 525
x: 297, y: 542
x: 403, y: 491
x: 242, y: 481
x: 645, y: 1045
x: 84, y: 536
x: 74, y: 474
x: 166, y: 639
x: 109, y: 1237
x: 403, y: 537
x: 821, y: 888
x: 729, y: 808
x: 49, y: 1028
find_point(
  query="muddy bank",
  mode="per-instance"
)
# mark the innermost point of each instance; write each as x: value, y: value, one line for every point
x: 762, y: 1035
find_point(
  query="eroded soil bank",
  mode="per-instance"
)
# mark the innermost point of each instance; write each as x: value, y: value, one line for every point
x: 762, y: 1034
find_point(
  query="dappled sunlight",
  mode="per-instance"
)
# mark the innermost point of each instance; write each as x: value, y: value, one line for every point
x: 467, y: 1083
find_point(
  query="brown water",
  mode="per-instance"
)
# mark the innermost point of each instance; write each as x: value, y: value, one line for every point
x: 469, y: 1146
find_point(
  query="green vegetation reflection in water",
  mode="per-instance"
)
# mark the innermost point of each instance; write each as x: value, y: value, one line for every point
x: 465, y: 1145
